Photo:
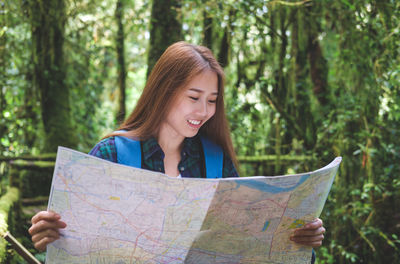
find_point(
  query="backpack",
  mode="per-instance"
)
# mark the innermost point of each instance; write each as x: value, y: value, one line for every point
x: 129, y: 153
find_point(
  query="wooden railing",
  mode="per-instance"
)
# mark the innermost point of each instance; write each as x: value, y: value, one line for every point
x: 268, y: 165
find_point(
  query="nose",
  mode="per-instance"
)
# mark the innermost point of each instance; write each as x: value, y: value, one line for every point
x: 202, y: 109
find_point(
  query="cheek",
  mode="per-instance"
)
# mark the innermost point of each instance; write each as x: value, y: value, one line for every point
x: 212, y: 112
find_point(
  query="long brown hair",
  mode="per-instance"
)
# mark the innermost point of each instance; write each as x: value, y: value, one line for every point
x: 173, y: 71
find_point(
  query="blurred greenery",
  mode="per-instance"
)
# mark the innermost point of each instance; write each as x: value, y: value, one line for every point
x: 312, y: 78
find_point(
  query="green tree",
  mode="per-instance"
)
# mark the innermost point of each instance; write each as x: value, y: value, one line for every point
x: 120, y: 47
x: 165, y: 28
x: 48, y: 25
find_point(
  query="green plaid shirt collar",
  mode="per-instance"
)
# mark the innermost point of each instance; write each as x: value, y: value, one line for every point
x: 191, y: 164
x: 191, y: 147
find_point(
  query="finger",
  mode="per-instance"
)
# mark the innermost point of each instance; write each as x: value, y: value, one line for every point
x: 314, y: 224
x: 46, y: 233
x: 311, y: 241
x: 41, y: 245
x: 43, y: 225
x: 45, y: 215
x: 309, y: 232
x: 313, y: 244
x: 307, y: 239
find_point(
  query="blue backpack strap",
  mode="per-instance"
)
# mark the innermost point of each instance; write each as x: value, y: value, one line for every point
x: 214, y: 158
x: 128, y: 151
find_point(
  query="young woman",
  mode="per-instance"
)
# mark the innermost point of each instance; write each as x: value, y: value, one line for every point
x: 181, y: 107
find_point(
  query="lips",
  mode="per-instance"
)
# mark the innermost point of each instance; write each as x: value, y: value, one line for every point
x: 194, y: 123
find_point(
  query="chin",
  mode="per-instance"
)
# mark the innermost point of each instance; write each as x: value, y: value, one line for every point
x: 191, y: 134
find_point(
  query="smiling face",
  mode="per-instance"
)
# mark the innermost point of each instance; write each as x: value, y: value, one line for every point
x: 194, y: 106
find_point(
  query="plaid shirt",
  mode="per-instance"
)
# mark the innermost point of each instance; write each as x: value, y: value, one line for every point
x: 192, y: 157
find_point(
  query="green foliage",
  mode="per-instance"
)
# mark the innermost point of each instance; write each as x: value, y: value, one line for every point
x: 36, y: 182
x: 18, y: 102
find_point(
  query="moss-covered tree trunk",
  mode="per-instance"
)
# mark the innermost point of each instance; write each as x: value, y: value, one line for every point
x: 47, y: 25
x: 304, y: 114
x: 120, y: 47
x: 318, y: 64
x: 225, y: 45
x: 3, y: 66
x: 207, y: 29
x: 165, y: 28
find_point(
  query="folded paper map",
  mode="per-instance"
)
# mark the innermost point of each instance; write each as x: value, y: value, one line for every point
x: 120, y: 214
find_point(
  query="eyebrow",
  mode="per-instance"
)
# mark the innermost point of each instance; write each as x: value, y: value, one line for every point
x: 200, y: 91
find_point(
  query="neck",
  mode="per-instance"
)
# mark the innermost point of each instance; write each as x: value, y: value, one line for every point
x: 169, y: 141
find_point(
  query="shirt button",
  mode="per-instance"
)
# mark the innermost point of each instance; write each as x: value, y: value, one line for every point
x: 182, y: 168
x: 184, y: 153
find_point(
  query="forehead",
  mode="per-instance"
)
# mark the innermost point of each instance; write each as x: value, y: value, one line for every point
x: 206, y: 82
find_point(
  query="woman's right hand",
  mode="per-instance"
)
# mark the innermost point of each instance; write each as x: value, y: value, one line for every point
x: 44, y: 229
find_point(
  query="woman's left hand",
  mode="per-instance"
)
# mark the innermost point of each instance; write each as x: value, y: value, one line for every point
x: 311, y: 234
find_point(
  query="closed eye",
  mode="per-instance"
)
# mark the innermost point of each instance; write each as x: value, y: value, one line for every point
x: 212, y: 101
x: 193, y: 98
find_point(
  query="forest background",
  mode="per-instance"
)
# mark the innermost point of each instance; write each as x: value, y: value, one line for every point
x: 305, y: 81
